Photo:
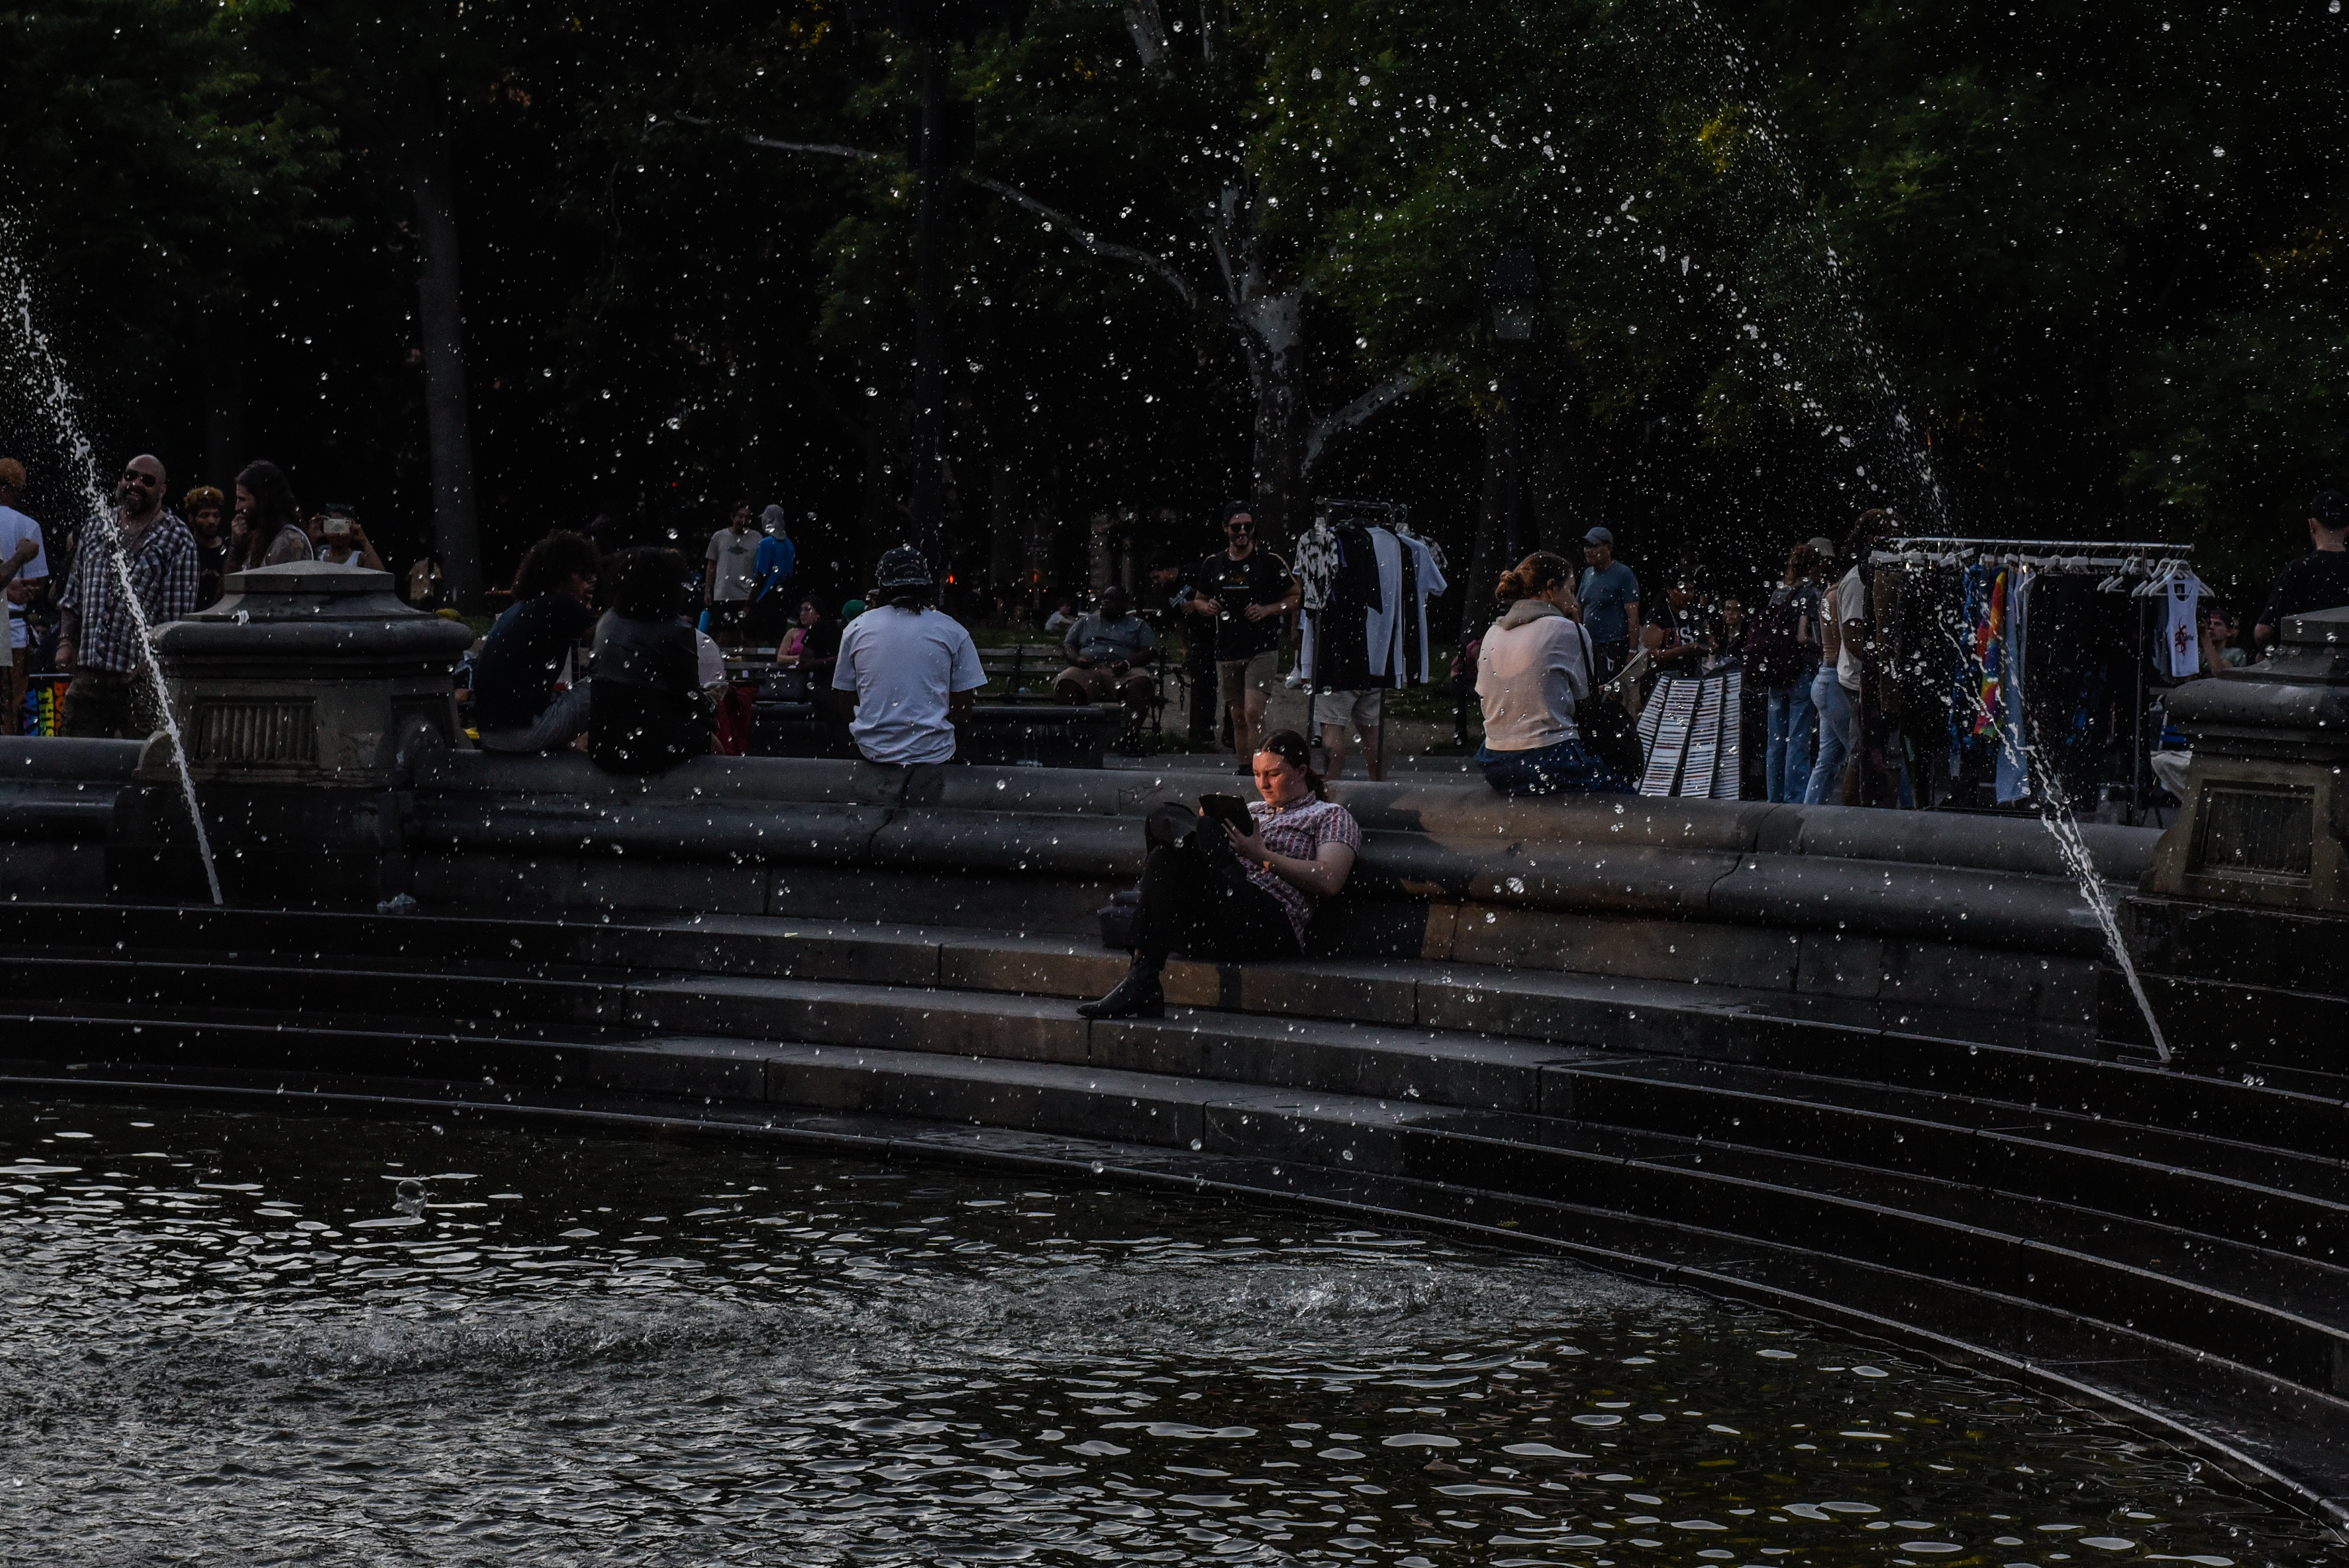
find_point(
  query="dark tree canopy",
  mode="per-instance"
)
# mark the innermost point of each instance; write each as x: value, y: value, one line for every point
x: 2070, y: 271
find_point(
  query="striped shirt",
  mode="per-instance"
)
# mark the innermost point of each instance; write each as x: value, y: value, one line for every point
x: 163, y: 573
x: 1298, y: 832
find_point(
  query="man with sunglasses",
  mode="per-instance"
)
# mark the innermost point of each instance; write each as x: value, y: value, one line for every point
x: 99, y: 641
x: 1247, y: 593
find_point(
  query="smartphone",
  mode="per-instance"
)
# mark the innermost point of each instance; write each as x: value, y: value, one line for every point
x: 1229, y: 808
x: 338, y: 527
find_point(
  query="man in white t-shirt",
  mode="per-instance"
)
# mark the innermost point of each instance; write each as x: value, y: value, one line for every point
x: 730, y: 574
x: 23, y: 568
x: 908, y: 672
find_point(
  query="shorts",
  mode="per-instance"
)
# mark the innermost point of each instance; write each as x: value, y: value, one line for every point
x: 1099, y: 685
x: 1357, y: 709
x: 1236, y: 678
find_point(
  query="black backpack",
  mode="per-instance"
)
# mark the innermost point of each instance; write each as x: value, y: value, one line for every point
x: 1609, y: 730
x: 1773, y: 654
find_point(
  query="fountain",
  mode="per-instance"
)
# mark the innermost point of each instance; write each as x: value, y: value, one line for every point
x: 312, y: 694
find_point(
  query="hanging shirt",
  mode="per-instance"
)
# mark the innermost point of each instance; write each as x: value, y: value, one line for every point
x: 1432, y: 582
x: 1379, y: 633
x: 1316, y: 565
x: 2180, y: 654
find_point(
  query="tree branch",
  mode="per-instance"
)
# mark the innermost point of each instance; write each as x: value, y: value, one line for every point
x: 1352, y: 414
x: 823, y: 148
x: 1159, y: 266
x: 1148, y: 29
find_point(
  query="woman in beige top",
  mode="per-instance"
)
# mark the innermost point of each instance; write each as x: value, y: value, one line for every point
x: 273, y: 534
x: 1533, y: 669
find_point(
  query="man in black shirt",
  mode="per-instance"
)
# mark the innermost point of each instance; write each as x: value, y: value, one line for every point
x: 1247, y: 594
x: 2318, y: 580
x: 515, y: 705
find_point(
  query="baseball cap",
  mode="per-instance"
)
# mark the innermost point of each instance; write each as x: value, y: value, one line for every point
x: 2330, y: 508
x: 903, y: 567
x: 1824, y: 546
x: 1599, y: 536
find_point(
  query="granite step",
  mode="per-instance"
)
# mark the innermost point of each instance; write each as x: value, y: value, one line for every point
x: 2274, y: 1312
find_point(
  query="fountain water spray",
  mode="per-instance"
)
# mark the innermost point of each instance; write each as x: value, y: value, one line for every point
x: 2057, y: 817
x: 2063, y: 825
x: 55, y: 394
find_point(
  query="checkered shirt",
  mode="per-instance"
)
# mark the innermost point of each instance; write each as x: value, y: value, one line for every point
x: 163, y: 570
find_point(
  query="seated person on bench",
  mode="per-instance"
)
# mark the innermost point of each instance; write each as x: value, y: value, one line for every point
x: 1107, y: 651
x: 1231, y: 896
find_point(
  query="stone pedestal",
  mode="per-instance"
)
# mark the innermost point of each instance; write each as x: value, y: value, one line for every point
x: 2243, y: 918
x: 306, y: 698
x: 2266, y: 820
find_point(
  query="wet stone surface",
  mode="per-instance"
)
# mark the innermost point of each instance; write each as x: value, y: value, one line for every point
x: 243, y: 1338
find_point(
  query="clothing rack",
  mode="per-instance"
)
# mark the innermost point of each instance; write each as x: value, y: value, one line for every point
x: 2149, y: 558
x: 2146, y: 566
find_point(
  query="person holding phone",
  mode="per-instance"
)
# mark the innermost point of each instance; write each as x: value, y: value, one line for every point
x: 342, y: 542
x: 1236, y: 893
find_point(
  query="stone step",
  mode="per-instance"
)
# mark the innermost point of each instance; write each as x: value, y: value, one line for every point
x: 2144, y: 1277
x: 1970, y: 1128
x: 1534, y: 998
x: 2271, y: 1197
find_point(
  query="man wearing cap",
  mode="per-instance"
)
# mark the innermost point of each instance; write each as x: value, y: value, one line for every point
x: 23, y: 568
x: 1610, y: 604
x: 2318, y: 580
x: 908, y: 673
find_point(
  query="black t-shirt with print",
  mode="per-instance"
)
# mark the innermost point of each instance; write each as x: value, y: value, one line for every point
x: 1261, y: 579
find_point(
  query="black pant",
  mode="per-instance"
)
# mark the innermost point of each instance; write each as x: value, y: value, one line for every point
x: 1192, y: 905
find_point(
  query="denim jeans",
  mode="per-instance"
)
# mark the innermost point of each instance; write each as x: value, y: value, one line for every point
x: 1794, y: 728
x: 564, y: 721
x: 1835, y: 715
x: 1567, y: 767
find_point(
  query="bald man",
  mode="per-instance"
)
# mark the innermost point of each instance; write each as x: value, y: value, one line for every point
x: 98, y: 641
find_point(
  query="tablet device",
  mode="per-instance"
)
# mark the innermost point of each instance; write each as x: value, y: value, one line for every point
x: 1229, y: 808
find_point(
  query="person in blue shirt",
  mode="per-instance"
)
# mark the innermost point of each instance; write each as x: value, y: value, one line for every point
x: 771, y: 569
x: 1610, y: 605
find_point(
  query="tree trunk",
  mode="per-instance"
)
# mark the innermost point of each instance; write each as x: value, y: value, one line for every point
x: 219, y: 330
x: 440, y: 321
x: 1280, y: 452
x: 1496, y: 523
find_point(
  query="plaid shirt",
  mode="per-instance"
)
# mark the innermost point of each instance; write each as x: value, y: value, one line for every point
x: 163, y: 570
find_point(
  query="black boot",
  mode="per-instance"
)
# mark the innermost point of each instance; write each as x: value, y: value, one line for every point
x: 1138, y: 995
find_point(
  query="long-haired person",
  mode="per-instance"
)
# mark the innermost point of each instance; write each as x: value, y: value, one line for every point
x: 1531, y: 672
x: 515, y: 706
x: 1222, y: 894
x: 646, y: 709
x: 273, y: 535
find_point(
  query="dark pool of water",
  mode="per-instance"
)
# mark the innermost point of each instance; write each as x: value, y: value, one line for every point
x: 245, y: 1338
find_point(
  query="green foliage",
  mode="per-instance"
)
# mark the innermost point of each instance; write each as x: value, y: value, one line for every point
x: 2082, y: 258
x: 149, y: 154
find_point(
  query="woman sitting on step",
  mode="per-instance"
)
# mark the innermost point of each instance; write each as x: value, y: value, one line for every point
x: 1532, y: 670
x: 1230, y: 896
